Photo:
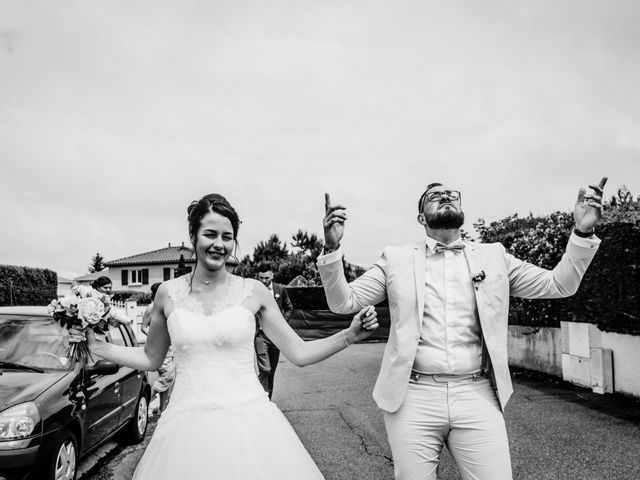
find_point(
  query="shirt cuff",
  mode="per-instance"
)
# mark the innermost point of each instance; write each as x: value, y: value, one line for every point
x: 330, y: 257
x: 590, y: 242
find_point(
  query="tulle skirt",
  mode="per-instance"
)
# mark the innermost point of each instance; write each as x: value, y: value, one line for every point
x: 255, y: 442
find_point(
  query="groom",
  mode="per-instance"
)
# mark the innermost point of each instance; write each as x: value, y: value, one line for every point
x: 444, y: 378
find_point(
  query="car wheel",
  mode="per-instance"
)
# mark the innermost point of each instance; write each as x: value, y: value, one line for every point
x: 64, y: 459
x: 136, y: 428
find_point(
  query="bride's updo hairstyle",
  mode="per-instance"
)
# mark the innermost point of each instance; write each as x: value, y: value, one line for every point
x: 207, y: 204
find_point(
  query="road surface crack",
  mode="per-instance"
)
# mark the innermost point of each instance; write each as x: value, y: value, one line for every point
x: 363, y: 442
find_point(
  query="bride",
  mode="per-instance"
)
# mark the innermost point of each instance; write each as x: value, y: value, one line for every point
x: 219, y: 415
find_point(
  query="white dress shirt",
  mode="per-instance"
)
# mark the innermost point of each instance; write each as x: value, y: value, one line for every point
x: 450, y: 337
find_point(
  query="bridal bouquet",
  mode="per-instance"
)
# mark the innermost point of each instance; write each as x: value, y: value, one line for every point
x: 83, y: 308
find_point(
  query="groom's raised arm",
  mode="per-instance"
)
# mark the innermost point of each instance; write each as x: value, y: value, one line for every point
x: 343, y: 297
x: 530, y: 281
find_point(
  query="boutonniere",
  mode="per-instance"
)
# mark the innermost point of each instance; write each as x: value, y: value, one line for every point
x: 476, y: 278
x: 276, y: 296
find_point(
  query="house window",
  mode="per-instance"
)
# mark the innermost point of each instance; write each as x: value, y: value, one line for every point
x: 166, y: 273
x: 139, y: 277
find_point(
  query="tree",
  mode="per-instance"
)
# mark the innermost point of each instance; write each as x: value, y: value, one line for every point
x: 624, y: 197
x: 287, y: 265
x: 246, y: 268
x: 97, y: 263
x: 622, y: 208
x: 182, y: 267
x: 307, y: 244
x: 273, y: 251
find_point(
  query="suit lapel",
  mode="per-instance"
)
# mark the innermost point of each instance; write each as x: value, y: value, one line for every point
x: 419, y: 265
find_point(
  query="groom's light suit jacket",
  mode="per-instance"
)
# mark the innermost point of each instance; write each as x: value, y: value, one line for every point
x: 399, y: 275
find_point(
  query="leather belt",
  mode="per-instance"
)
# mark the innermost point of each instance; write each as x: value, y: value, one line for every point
x: 446, y: 377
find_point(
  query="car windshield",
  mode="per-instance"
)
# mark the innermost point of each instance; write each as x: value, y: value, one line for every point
x: 38, y: 342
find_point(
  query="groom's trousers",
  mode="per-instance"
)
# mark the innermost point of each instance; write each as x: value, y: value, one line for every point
x: 463, y: 415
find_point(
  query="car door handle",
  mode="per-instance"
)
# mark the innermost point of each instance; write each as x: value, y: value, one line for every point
x: 116, y: 388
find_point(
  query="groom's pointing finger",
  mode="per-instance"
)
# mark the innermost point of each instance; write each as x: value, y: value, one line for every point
x: 603, y: 182
x: 327, y: 202
x: 599, y: 188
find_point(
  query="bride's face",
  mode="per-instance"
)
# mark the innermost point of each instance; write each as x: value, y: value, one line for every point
x: 215, y: 241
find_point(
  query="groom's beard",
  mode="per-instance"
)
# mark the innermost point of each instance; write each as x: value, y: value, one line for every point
x: 445, y: 220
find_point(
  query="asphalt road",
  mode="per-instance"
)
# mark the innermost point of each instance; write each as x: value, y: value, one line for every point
x: 556, y: 431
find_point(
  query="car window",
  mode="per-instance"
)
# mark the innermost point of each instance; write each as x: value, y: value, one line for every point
x: 34, y: 342
x: 112, y: 336
x: 129, y: 336
x: 116, y: 336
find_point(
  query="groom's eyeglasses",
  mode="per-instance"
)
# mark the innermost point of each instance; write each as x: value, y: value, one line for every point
x: 437, y: 196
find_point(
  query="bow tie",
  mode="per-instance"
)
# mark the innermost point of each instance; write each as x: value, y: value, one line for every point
x: 455, y: 248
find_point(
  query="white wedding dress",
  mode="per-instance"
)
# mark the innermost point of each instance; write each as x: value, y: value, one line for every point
x: 219, y: 423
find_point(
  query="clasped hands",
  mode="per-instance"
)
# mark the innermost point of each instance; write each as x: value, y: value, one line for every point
x: 363, y: 324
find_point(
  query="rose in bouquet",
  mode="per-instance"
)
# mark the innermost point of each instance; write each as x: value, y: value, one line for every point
x: 82, y: 309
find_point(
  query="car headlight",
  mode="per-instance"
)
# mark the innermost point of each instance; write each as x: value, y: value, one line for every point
x: 19, y: 421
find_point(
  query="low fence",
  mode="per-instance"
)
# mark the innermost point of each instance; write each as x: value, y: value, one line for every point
x: 580, y: 353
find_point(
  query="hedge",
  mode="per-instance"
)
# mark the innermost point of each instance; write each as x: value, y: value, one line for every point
x: 609, y: 295
x: 27, y: 286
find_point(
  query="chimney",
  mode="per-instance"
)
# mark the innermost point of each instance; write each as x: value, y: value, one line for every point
x: 169, y: 244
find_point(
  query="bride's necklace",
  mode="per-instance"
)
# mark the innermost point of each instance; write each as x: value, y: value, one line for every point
x: 206, y: 282
x: 219, y: 281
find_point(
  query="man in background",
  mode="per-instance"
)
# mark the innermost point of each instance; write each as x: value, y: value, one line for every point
x: 266, y: 352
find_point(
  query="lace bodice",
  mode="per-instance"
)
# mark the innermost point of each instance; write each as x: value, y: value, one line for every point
x: 213, y: 347
x: 234, y: 292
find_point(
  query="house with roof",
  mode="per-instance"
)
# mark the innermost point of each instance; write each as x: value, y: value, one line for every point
x: 88, y: 279
x: 64, y: 286
x: 139, y: 272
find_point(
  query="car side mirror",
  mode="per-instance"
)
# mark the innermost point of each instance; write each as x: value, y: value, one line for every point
x: 103, y: 367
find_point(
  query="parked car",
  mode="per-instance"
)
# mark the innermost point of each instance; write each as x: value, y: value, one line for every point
x: 54, y: 410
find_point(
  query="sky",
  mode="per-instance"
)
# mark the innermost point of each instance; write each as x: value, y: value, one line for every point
x: 115, y: 115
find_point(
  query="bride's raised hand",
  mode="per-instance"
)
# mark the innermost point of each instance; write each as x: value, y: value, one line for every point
x: 364, y: 323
